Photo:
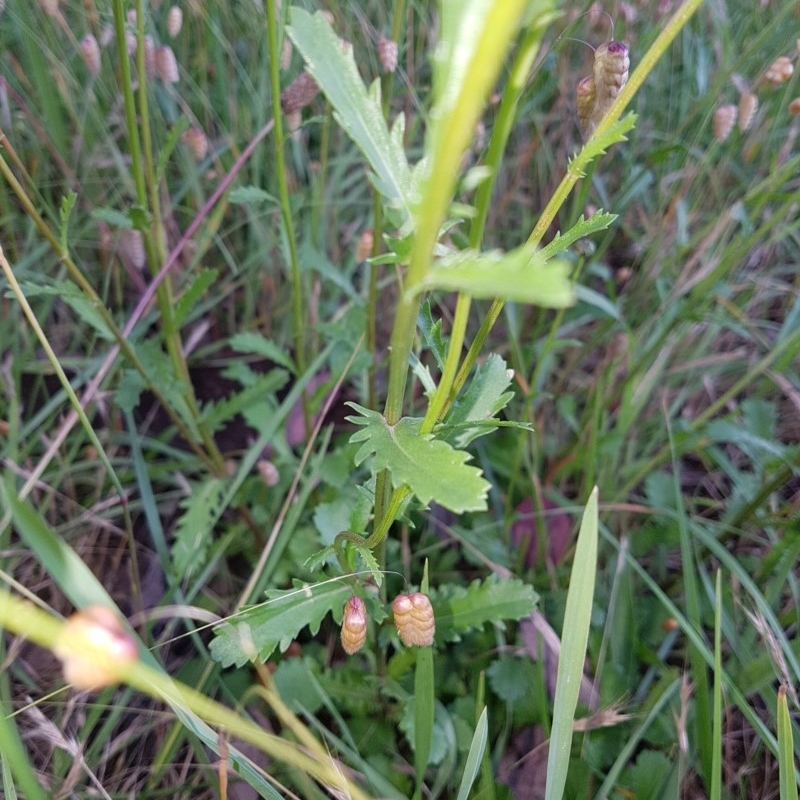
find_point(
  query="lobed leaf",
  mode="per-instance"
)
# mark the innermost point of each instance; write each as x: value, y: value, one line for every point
x: 257, y: 631
x: 523, y: 275
x: 193, y: 535
x: 458, y: 609
x: 431, y: 468
x: 357, y: 110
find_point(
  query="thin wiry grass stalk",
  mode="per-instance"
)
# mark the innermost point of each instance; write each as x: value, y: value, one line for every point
x: 279, y: 140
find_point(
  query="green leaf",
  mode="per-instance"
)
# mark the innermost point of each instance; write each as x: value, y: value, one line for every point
x: 160, y: 373
x: 510, y: 679
x: 256, y: 632
x: 599, y: 221
x: 786, y: 770
x: 193, y: 535
x: 432, y: 333
x: 523, y: 275
x: 476, y: 751
x: 597, y: 145
x: 262, y: 389
x: 85, y: 308
x: 257, y: 344
x: 431, y: 468
x: 251, y: 195
x: 67, y: 204
x: 166, y: 150
x: 113, y: 217
x: 458, y: 609
x: 599, y: 301
x: 485, y: 397
x: 358, y: 111
x: 574, y: 637
x: 192, y: 294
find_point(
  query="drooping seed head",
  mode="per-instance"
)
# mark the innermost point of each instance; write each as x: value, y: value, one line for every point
x: 413, y: 618
x: 724, y: 120
x: 354, y: 625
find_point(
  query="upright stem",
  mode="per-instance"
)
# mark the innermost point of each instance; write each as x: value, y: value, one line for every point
x: 298, y: 321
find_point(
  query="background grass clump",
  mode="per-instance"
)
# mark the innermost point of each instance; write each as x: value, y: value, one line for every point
x: 250, y: 259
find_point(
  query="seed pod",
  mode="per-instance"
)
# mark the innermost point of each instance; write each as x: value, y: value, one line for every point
x: 748, y: 104
x: 387, y: 54
x: 150, y: 57
x: 794, y: 107
x: 90, y: 53
x: 724, y: 120
x: 611, y: 63
x: 364, y: 247
x: 413, y: 618
x: 584, y: 98
x: 779, y: 71
x: 131, y: 248
x: 268, y: 472
x: 174, y: 21
x: 354, y: 625
x: 92, y: 645
x: 197, y: 141
x: 166, y: 64
x: 299, y: 93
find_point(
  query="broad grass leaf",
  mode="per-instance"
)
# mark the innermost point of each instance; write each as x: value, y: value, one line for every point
x: 258, y: 631
x: 522, y: 275
x: 458, y: 609
x: 357, y: 110
x: 193, y: 535
x: 486, y: 395
x: 431, y: 468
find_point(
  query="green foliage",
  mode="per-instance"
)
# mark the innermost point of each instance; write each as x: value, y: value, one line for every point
x: 431, y: 468
x: 460, y: 609
x: 255, y: 633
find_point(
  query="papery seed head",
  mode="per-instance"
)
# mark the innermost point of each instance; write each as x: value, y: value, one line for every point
x: 90, y: 53
x: 50, y: 7
x: 106, y: 35
x: 130, y: 42
x: 268, y: 472
x: 779, y: 71
x: 174, y: 21
x: 131, y: 248
x: 748, y: 104
x: 387, y: 54
x: 92, y: 645
x: 724, y: 120
x: 150, y: 57
x: 166, y: 64
x: 354, y: 625
x: 794, y: 107
x: 413, y: 618
x: 584, y: 99
x: 286, y: 53
x: 364, y: 247
x: 197, y: 141
x: 131, y: 17
x: 611, y: 64
x: 299, y: 93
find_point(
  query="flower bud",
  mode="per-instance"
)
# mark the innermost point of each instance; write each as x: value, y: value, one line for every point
x: 92, y: 645
x: 354, y: 625
x: 413, y: 618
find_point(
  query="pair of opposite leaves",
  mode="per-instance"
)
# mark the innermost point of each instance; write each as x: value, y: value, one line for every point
x: 595, y: 93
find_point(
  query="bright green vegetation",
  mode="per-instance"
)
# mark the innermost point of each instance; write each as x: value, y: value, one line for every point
x: 562, y: 399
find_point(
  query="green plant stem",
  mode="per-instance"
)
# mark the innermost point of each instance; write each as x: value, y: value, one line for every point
x: 573, y: 174
x: 299, y: 324
x: 45, y: 629
x: 83, y: 283
x: 517, y: 80
x: 149, y: 207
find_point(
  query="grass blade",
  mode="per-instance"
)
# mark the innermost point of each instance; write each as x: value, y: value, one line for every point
x: 574, y: 638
